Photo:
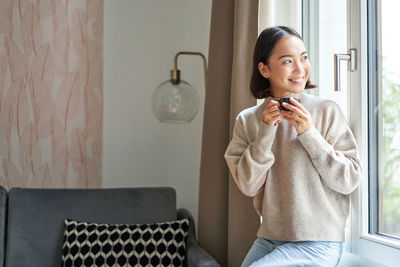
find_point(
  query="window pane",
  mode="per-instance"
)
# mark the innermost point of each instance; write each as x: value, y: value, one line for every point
x: 325, y: 34
x: 389, y: 116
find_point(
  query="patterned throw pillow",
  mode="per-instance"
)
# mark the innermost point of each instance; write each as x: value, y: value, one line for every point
x: 92, y: 244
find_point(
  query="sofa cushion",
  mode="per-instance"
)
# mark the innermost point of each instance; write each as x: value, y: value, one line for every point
x: 92, y: 244
x: 36, y: 217
x: 3, y: 214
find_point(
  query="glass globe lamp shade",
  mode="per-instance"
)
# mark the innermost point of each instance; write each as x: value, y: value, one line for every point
x: 175, y: 102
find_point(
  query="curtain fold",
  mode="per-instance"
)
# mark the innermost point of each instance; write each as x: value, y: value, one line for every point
x: 227, y: 220
x: 243, y: 222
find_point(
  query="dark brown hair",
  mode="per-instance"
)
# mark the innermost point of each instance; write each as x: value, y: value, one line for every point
x: 266, y: 42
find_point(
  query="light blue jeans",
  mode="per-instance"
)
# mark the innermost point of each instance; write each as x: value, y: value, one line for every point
x: 266, y: 252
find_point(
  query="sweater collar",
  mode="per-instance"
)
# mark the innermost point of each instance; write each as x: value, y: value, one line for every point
x: 269, y: 98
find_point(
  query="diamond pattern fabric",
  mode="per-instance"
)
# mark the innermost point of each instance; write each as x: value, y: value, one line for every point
x: 92, y: 244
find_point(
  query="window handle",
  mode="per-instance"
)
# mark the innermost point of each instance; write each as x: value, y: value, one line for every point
x: 351, y: 57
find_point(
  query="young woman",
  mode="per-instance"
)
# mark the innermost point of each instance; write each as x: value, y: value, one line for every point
x: 299, y: 164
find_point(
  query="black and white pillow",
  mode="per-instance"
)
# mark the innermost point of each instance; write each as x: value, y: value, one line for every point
x: 92, y: 244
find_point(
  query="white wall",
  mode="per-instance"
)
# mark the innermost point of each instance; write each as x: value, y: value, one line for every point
x: 141, y: 38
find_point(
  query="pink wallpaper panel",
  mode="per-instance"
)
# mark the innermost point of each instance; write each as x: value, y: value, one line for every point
x: 51, y: 93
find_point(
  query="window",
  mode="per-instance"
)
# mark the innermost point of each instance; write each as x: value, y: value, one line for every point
x: 371, y: 95
x: 384, y: 118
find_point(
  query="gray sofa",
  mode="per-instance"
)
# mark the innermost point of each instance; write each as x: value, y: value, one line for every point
x: 32, y: 220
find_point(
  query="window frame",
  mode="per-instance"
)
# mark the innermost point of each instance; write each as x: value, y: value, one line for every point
x: 373, y: 117
x: 375, y: 91
x: 365, y: 242
x: 378, y: 248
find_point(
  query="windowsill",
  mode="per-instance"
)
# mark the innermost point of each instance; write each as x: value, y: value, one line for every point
x: 382, y: 240
x: 352, y: 260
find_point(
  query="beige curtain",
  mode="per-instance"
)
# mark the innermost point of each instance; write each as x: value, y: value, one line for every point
x: 227, y: 220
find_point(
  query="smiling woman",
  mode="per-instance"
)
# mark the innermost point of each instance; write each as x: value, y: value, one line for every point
x: 283, y: 66
x: 299, y: 165
x: 287, y: 73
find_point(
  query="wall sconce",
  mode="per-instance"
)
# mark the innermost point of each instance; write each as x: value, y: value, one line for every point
x: 176, y: 101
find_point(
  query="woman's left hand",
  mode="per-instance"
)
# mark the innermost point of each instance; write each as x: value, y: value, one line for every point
x: 298, y: 116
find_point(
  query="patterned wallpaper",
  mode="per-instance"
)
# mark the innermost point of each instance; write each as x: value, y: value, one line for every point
x: 51, y: 93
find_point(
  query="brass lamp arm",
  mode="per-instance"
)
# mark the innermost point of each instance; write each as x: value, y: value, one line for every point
x: 175, y: 73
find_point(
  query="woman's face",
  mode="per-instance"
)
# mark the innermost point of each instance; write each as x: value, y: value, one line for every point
x: 288, y: 67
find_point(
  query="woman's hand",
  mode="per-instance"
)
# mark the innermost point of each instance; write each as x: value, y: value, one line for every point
x: 298, y: 116
x: 271, y: 114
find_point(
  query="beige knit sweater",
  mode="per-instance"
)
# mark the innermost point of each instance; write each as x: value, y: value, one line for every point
x: 300, y: 183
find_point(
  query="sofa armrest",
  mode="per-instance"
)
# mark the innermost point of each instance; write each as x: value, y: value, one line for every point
x: 196, y: 255
x: 3, y: 219
x: 183, y: 214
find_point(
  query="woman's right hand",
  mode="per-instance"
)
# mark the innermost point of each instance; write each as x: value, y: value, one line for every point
x: 271, y: 114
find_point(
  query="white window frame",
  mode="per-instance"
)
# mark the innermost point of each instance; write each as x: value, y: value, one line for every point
x: 374, y: 247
